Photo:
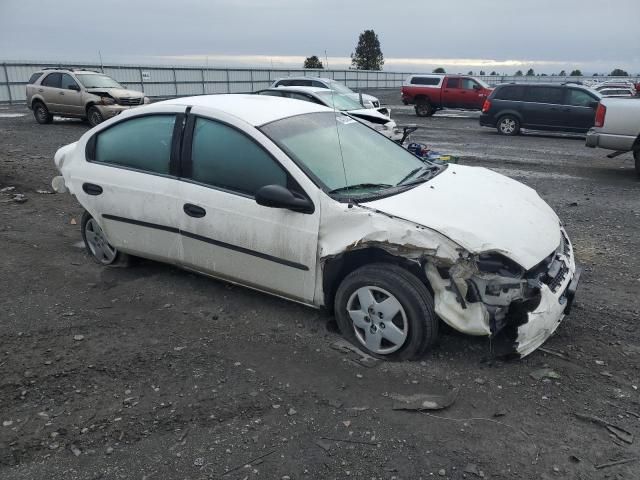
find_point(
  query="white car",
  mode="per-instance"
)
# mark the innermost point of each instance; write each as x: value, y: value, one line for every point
x: 368, y: 101
x: 341, y: 102
x: 300, y: 201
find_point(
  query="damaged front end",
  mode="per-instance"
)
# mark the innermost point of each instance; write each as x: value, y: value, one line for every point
x: 489, y: 294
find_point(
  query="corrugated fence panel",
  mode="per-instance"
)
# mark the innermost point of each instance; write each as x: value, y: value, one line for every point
x: 215, y: 75
x: 213, y: 88
x: 240, y: 75
x: 261, y: 85
x: 260, y: 76
x: 123, y: 74
x: 157, y: 75
x: 159, y: 89
x: 243, y: 87
x: 20, y: 73
x: 18, y: 93
x: 191, y: 75
x: 190, y: 89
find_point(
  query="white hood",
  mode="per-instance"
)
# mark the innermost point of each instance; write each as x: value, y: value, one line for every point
x: 482, y: 211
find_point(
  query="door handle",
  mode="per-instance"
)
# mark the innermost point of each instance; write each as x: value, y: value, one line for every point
x: 91, y: 189
x: 194, y: 210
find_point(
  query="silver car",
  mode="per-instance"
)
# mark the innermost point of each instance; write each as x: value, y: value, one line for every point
x: 78, y: 93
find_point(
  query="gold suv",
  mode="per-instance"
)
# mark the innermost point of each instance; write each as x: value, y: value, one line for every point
x: 78, y: 93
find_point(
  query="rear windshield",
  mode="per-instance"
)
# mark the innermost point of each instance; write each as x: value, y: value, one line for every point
x: 34, y: 77
x: 425, y: 80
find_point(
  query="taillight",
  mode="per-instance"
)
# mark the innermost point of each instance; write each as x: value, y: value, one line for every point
x: 486, y: 106
x: 601, y: 111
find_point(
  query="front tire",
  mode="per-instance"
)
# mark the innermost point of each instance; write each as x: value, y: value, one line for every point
x: 424, y: 109
x: 508, y: 125
x: 386, y: 311
x: 41, y: 113
x: 97, y: 244
x: 94, y: 117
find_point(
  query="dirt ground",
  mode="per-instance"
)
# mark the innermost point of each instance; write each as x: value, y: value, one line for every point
x: 151, y: 372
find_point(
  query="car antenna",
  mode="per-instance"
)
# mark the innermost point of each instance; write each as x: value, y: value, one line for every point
x: 335, y: 116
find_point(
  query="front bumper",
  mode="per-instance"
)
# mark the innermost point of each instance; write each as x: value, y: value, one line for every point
x: 108, y: 111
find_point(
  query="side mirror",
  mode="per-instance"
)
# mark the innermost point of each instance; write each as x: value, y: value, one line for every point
x: 477, y: 87
x: 73, y: 86
x: 277, y: 196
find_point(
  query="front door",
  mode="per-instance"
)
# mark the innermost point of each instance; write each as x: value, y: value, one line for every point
x: 224, y: 231
x: 127, y: 185
x: 472, y: 94
x: 579, y: 110
x: 452, y: 94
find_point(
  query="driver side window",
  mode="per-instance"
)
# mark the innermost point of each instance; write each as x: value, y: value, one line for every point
x: 224, y: 157
x: 468, y: 84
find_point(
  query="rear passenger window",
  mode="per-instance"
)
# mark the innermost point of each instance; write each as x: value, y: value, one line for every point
x: 453, y: 83
x: 142, y: 143
x: 33, y: 78
x: 544, y: 95
x: 579, y: 98
x: 509, y: 93
x: 223, y: 157
x: 52, y: 80
x: 425, y: 81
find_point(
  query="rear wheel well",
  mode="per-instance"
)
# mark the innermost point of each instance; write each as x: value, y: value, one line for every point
x: 337, y: 268
x: 422, y: 99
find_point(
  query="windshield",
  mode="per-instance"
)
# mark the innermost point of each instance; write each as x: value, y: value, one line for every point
x: 97, y: 81
x: 340, y: 152
x: 338, y: 87
x: 338, y: 100
x: 482, y: 83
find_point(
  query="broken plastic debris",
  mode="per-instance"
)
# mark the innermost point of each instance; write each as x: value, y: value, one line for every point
x: 544, y: 373
x: 424, y: 401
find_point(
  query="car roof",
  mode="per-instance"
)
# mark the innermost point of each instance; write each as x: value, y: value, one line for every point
x: 323, y: 79
x: 301, y: 88
x: 253, y: 109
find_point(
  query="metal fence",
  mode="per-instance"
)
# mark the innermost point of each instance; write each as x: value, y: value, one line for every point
x: 174, y: 81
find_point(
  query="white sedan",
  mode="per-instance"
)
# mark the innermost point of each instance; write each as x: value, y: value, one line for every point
x: 295, y: 199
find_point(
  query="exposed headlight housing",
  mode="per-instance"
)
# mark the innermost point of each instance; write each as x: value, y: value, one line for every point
x: 146, y: 100
x: 498, y: 264
x: 107, y: 101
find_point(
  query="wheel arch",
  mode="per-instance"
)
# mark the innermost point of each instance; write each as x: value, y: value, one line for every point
x: 511, y: 112
x: 36, y: 99
x: 335, y: 269
x: 422, y: 98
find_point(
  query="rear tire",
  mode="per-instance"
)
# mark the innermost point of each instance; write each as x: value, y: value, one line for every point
x: 41, y: 113
x: 94, y: 117
x: 508, y: 125
x: 424, y: 109
x: 636, y: 156
x: 404, y: 328
x: 98, y: 246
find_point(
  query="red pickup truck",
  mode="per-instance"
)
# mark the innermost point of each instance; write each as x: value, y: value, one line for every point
x: 430, y: 93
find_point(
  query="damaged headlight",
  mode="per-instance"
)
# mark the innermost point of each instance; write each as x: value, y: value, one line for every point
x: 107, y: 101
x: 498, y: 264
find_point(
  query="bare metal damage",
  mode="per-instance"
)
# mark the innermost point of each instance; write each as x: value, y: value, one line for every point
x: 519, y: 314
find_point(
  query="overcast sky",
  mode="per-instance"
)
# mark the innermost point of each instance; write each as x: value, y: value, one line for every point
x: 415, y: 35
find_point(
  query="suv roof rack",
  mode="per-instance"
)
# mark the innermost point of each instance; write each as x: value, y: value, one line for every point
x: 71, y: 69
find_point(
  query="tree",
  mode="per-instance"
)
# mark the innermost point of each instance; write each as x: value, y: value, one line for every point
x: 518, y: 73
x: 530, y: 73
x: 493, y: 73
x: 470, y: 72
x: 562, y: 73
x: 482, y: 72
x: 312, y: 62
x: 439, y: 70
x: 596, y: 74
x: 575, y: 73
x: 368, y: 55
x: 618, y: 72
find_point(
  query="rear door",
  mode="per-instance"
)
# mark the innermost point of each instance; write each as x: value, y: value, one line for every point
x: 452, y: 93
x: 542, y: 107
x: 580, y: 109
x: 129, y: 183
x: 50, y: 91
x: 225, y: 233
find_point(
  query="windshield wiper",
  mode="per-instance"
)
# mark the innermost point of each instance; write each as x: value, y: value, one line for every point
x: 360, y: 186
x: 427, y: 173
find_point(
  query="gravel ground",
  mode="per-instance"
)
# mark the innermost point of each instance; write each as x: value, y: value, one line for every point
x: 151, y: 372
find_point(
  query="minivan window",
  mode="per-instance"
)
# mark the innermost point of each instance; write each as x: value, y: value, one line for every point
x: 579, y: 98
x: 544, y: 94
x: 453, y: 83
x: 512, y: 92
x: 425, y: 80
x: 52, y: 80
x: 142, y: 143
x: 224, y: 157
